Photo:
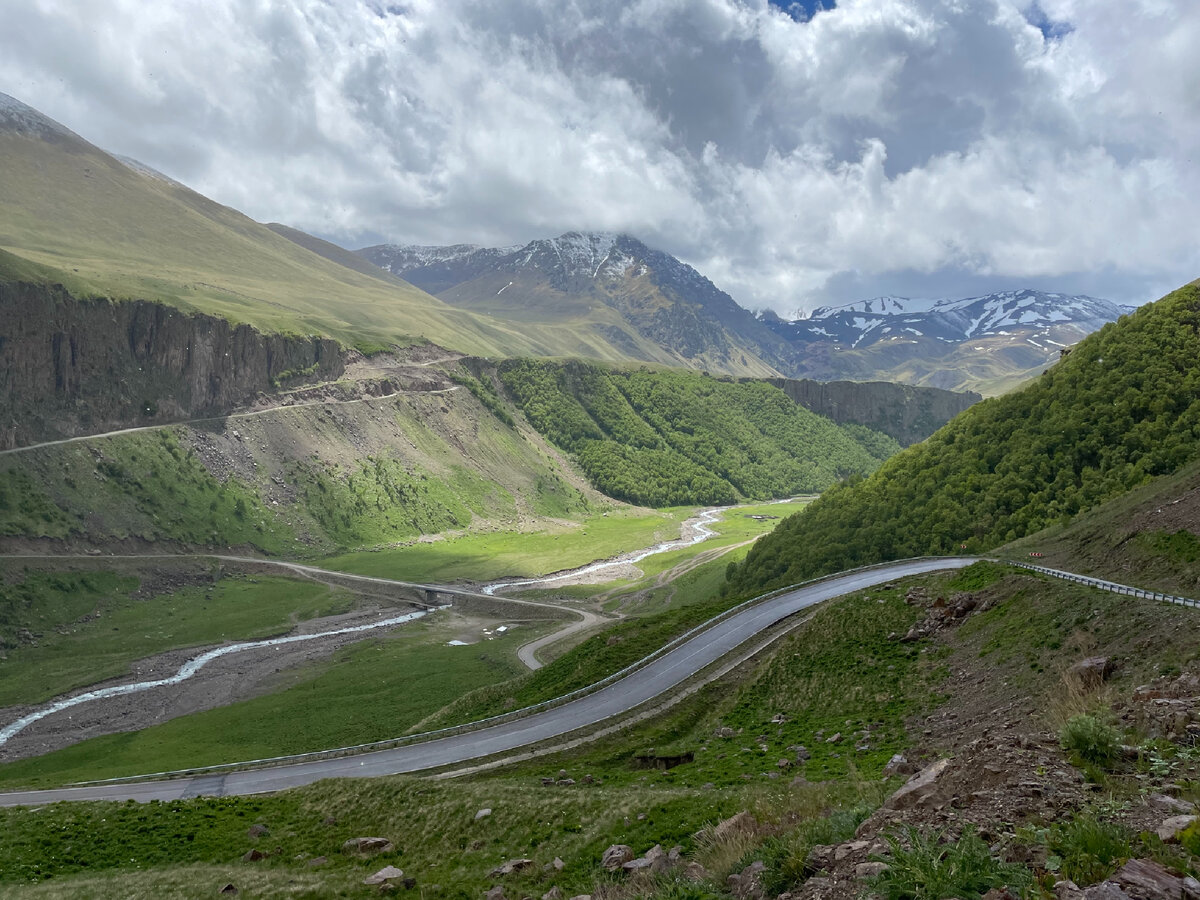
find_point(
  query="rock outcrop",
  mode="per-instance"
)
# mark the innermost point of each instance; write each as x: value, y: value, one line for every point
x: 71, y: 366
x: 909, y: 414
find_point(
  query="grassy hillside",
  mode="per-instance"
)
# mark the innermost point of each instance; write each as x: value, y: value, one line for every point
x: 1122, y: 408
x: 666, y: 438
x: 297, y: 481
x: 1149, y: 537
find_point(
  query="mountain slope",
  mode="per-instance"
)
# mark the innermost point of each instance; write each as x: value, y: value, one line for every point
x: 987, y: 343
x: 1122, y: 408
x: 674, y: 438
x: 578, y: 276
x: 103, y: 227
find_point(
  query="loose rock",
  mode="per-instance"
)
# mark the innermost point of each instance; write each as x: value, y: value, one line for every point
x: 1171, y: 828
x: 368, y: 845
x: 922, y: 789
x: 387, y: 873
x: 616, y: 856
x: 513, y: 865
x: 866, y: 870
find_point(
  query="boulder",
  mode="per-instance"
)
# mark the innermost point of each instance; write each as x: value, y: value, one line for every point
x: 1144, y: 878
x: 693, y: 871
x: 1088, y: 674
x: 1105, y: 891
x: 387, y: 873
x: 513, y: 865
x: 842, y: 851
x: 317, y: 861
x: 1170, y: 804
x: 616, y: 856
x: 553, y: 894
x: 483, y: 814
x: 922, y: 789
x: 368, y: 845
x: 1171, y: 828
x: 820, y: 857
x: 557, y: 864
x: 253, y: 856
x: 495, y: 893
x: 230, y: 889
x: 747, y: 885
x: 257, y: 831
x: 898, y: 765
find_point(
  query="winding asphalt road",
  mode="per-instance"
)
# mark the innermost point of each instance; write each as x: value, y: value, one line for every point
x: 634, y: 689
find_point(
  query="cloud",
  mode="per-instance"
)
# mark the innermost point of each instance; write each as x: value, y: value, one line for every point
x: 935, y: 144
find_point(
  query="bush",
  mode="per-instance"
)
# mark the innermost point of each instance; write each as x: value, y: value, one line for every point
x: 1091, y: 740
x: 928, y: 869
x: 786, y: 856
x: 1090, y: 850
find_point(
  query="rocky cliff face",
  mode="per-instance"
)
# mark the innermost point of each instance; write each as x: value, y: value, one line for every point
x: 73, y: 367
x: 908, y: 413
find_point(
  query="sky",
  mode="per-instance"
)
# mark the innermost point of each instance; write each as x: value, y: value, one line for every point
x: 797, y: 153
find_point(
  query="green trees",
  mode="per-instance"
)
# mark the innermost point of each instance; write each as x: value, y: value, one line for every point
x: 671, y: 438
x: 1122, y: 408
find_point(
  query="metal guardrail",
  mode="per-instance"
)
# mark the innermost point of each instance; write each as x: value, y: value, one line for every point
x: 563, y: 699
x: 502, y: 718
x: 1103, y: 585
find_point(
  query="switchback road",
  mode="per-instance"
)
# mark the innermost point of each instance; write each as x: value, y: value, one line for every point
x: 646, y: 683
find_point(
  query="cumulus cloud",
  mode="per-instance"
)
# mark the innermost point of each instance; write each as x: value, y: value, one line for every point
x: 920, y: 146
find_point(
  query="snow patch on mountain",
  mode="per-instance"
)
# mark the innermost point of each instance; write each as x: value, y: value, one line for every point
x: 1035, y: 315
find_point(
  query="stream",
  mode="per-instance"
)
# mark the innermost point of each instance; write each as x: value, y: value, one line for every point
x: 187, y: 670
x: 700, y: 532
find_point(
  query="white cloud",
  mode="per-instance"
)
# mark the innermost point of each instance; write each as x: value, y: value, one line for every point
x: 909, y: 145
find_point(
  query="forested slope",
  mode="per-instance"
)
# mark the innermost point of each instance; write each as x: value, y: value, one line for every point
x: 673, y: 438
x: 1122, y: 408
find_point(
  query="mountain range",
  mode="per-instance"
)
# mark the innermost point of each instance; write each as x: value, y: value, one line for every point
x: 101, y: 225
x: 987, y: 343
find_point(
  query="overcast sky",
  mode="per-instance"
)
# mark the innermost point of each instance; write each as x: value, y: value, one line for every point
x: 795, y: 156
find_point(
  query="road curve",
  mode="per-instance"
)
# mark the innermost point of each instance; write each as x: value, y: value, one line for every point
x: 634, y: 689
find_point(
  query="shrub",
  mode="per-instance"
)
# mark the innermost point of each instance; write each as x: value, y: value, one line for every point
x: 928, y: 869
x: 1090, y: 850
x: 785, y: 856
x: 1091, y: 740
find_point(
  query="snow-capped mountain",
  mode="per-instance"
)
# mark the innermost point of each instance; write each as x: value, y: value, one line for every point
x: 611, y: 277
x: 1036, y: 317
x: 571, y: 261
x: 989, y: 343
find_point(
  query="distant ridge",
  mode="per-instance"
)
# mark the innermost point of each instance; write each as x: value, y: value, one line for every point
x: 576, y: 274
x: 988, y: 343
